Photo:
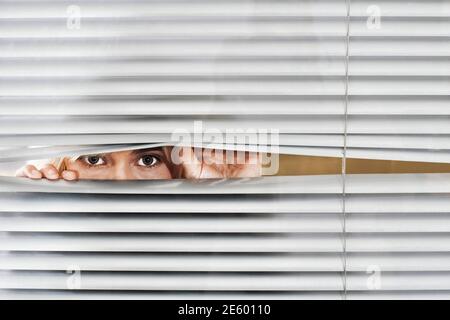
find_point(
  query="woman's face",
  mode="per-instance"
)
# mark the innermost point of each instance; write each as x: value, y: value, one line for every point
x: 143, y: 164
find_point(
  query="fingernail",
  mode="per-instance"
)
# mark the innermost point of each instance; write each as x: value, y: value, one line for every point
x: 53, y: 174
x: 68, y: 175
x: 35, y: 174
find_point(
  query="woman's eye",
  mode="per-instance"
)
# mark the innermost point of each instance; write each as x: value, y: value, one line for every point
x: 148, y: 161
x: 94, y: 160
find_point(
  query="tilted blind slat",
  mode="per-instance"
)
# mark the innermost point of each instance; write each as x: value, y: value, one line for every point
x: 136, y: 8
x: 320, y: 184
x: 277, y: 223
x: 176, y: 262
x: 293, y: 282
x: 313, y: 242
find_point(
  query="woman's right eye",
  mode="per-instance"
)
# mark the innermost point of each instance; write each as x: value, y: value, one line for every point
x: 93, y: 160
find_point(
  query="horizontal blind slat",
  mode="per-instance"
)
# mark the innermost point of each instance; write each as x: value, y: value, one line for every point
x: 182, y: 47
x: 313, y: 242
x: 41, y: 280
x: 159, y: 243
x: 139, y: 295
x: 270, y: 66
x: 179, y: 26
x: 160, y: 203
x: 307, y: 203
x: 318, y: 184
x: 123, y: 66
x: 114, y: 105
x: 279, y: 223
x: 175, y: 262
x: 295, y: 282
x: 283, y: 124
x: 168, y: 8
x: 223, y: 26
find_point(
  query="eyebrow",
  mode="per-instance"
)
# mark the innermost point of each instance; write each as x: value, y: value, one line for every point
x: 141, y: 151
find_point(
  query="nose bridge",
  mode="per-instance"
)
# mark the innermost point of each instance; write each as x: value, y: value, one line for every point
x: 122, y: 170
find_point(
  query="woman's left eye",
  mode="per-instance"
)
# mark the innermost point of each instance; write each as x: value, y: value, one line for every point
x: 93, y: 160
x: 148, y: 161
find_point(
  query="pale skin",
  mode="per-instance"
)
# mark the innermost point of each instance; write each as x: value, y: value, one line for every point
x: 146, y: 164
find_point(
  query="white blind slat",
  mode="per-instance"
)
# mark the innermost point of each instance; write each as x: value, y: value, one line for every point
x: 185, y: 262
x: 295, y: 282
x: 33, y: 9
x: 316, y: 184
x: 280, y: 223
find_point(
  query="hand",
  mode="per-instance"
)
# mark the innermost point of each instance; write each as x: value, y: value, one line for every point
x: 48, y: 171
x: 213, y: 164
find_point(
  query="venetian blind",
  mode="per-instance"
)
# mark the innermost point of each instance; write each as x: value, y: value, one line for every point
x: 370, y: 77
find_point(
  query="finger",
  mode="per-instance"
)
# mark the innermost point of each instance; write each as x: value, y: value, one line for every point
x: 29, y: 171
x: 69, y: 175
x: 50, y: 172
x: 21, y: 172
x: 191, y: 165
x: 209, y: 167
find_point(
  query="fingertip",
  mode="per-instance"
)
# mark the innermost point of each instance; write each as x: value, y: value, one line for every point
x: 20, y: 173
x: 35, y: 174
x: 31, y: 172
x: 69, y: 175
x: 51, y: 173
x: 53, y: 177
